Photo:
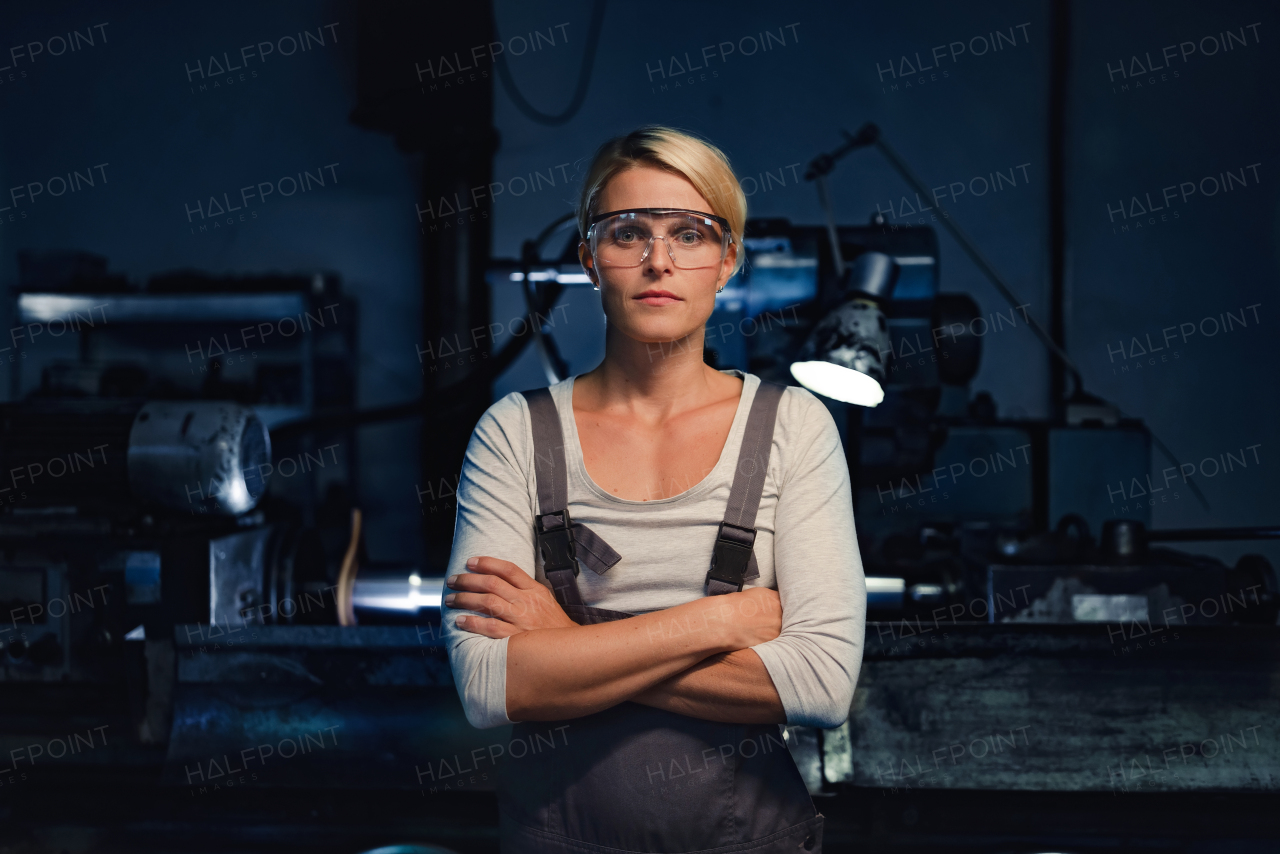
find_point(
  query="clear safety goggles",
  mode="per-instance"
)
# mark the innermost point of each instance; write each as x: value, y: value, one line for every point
x: 695, y: 240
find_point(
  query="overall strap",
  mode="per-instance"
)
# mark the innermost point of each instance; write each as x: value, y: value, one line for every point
x: 736, y: 536
x: 561, y: 541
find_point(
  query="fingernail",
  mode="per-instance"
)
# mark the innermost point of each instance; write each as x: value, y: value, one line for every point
x: 472, y: 561
x: 448, y: 600
x: 461, y: 622
x: 453, y: 579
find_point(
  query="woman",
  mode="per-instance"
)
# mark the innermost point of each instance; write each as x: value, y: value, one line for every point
x: 585, y: 605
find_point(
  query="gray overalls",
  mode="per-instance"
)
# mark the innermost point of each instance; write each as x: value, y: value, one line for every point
x: 633, y: 778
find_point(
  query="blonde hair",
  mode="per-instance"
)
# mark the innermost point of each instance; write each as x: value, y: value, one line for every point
x: 684, y: 154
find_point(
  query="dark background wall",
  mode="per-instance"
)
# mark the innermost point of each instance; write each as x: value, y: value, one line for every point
x: 128, y: 102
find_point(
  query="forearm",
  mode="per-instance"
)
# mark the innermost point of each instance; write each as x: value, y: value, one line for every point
x: 560, y: 673
x: 732, y: 687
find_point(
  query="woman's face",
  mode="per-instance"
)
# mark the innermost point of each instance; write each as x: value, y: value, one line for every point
x: 621, y: 287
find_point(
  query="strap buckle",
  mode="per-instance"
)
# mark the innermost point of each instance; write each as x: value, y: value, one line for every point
x: 732, y: 554
x: 555, y: 541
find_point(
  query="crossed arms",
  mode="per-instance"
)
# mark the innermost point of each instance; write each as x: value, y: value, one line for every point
x: 693, y: 659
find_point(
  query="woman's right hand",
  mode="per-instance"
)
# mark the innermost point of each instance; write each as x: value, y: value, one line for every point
x: 751, y: 616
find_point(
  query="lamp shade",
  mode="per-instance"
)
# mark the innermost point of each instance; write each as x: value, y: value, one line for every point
x: 844, y: 357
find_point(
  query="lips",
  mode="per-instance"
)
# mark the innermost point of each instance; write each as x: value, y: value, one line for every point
x: 655, y: 296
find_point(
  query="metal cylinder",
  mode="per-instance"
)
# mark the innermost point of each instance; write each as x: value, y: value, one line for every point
x: 1124, y: 539
x: 203, y: 456
x: 959, y: 347
x: 874, y: 274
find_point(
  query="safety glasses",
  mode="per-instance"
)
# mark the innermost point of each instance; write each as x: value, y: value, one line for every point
x: 694, y: 240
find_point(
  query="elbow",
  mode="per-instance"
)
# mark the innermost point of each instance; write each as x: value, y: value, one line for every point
x: 480, y: 716
x: 835, y: 710
x: 828, y: 712
x: 483, y: 710
x: 478, y: 719
x: 831, y: 718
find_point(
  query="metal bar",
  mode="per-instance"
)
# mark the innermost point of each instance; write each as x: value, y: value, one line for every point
x: 824, y: 197
x: 1059, y: 78
x: 976, y: 256
x: 83, y: 310
x: 1266, y: 532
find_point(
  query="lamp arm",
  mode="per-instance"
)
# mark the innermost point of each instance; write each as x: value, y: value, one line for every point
x: 975, y: 254
x: 825, y: 199
x: 870, y: 134
x: 870, y: 131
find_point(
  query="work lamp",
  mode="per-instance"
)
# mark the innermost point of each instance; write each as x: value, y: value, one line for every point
x: 845, y: 356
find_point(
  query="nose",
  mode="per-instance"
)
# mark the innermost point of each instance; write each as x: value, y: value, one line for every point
x: 660, y: 258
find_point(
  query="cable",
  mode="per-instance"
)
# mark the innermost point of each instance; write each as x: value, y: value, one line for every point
x: 584, y: 76
x: 869, y: 134
x: 347, y: 575
x: 553, y: 365
x: 971, y: 250
x: 1168, y: 453
x: 444, y: 398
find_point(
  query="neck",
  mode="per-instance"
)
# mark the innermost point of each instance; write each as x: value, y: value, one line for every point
x: 665, y: 375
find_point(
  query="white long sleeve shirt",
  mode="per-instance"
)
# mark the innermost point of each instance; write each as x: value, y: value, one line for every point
x: 805, y: 547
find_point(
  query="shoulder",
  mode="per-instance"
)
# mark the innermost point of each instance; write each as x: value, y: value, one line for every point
x: 503, y: 430
x: 508, y: 413
x: 508, y: 422
x: 804, y: 431
x: 802, y: 415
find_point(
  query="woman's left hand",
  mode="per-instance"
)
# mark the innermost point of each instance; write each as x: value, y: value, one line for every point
x: 514, y: 602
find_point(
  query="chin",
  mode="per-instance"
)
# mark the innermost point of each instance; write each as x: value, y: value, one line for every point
x: 659, y: 333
